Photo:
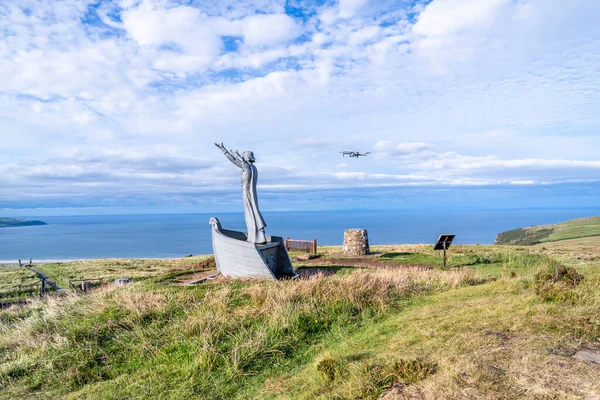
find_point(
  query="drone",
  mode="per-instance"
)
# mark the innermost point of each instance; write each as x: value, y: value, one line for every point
x: 354, y: 154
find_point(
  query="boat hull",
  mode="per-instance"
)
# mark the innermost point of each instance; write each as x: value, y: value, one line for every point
x: 237, y: 258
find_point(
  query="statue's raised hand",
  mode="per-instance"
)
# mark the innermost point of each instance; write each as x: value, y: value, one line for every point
x: 220, y: 146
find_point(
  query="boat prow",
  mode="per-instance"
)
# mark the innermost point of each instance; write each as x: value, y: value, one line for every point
x: 237, y: 258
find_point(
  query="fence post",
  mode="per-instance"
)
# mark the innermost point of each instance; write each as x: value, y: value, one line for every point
x: 314, y: 246
x: 287, y: 243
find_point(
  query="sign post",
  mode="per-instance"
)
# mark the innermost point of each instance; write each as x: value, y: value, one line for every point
x: 443, y: 243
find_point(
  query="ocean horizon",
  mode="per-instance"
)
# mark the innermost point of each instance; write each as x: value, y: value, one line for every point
x: 82, y: 237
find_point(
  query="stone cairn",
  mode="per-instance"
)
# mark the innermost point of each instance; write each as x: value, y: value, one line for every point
x: 356, y: 242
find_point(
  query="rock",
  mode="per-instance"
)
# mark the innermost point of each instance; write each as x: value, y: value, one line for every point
x: 356, y: 242
x: 122, y: 281
x: 588, y: 355
x: 395, y: 392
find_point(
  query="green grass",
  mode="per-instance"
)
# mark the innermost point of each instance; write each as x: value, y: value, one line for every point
x: 13, y: 277
x: 110, y: 269
x: 573, y: 229
x: 578, y: 228
x: 212, y: 341
x: 488, y: 261
x: 492, y: 341
x: 15, y: 282
x: 503, y: 326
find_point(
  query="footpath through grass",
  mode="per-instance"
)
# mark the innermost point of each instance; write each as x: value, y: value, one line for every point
x: 503, y: 326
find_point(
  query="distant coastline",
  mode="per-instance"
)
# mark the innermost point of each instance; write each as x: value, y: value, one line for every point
x: 11, y: 222
x: 4, y: 263
x: 177, y: 235
x: 579, y: 228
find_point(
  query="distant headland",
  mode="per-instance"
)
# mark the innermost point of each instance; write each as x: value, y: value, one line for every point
x: 11, y: 222
x: 569, y: 232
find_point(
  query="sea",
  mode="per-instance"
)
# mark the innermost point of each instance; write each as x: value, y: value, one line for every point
x: 179, y: 235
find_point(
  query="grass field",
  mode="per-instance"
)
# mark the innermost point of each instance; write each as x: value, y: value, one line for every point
x: 593, y: 241
x: 105, y: 270
x: 17, y: 282
x: 110, y: 269
x: 573, y: 229
x: 502, y: 322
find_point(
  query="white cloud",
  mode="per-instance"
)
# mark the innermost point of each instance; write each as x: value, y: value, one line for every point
x: 473, y: 92
x: 191, y: 38
x: 363, y: 35
x: 523, y: 182
x: 268, y: 29
x: 348, y: 8
x: 460, y: 162
x: 317, y: 142
x: 385, y: 148
x: 443, y: 18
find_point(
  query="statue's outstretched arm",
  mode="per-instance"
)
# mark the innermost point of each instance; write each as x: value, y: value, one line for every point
x: 230, y: 156
x: 238, y: 156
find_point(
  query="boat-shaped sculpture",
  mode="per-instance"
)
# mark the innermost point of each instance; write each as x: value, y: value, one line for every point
x: 236, y: 257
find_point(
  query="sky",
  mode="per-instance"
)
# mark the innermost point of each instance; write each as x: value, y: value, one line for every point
x: 115, y: 106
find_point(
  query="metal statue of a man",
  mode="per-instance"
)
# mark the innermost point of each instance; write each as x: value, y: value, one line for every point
x: 254, y: 220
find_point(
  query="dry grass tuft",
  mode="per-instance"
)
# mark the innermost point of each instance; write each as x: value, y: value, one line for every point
x: 557, y: 282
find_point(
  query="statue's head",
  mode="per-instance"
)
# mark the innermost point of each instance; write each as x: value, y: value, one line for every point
x: 248, y: 156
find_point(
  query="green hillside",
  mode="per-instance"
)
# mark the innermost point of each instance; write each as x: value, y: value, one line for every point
x: 573, y: 229
x: 501, y: 323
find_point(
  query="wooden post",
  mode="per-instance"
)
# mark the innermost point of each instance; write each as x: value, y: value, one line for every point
x: 444, y: 255
x: 43, y: 285
x: 287, y: 243
x: 314, y: 246
x: 445, y: 247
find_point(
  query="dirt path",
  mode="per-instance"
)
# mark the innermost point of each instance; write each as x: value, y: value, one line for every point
x: 189, y: 279
x: 307, y: 268
x: 361, y: 263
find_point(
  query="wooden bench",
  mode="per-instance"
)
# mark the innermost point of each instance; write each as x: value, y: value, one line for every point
x: 309, y: 246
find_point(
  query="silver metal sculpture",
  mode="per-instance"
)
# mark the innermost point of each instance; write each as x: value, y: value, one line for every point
x: 236, y: 257
x: 255, y: 224
x: 252, y: 254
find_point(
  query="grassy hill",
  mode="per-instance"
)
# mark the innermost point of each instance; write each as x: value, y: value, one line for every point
x: 573, y: 229
x: 500, y: 323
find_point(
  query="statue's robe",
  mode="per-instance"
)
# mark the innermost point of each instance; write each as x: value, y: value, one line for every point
x: 254, y: 220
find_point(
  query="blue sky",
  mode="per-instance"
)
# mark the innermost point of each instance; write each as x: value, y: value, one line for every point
x: 113, y: 106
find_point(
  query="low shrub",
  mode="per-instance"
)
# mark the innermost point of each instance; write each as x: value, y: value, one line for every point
x: 329, y: 368
x: 376, y: 377
x: 411, y: 371
x: 555, y: 282
x: 208, y: 263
